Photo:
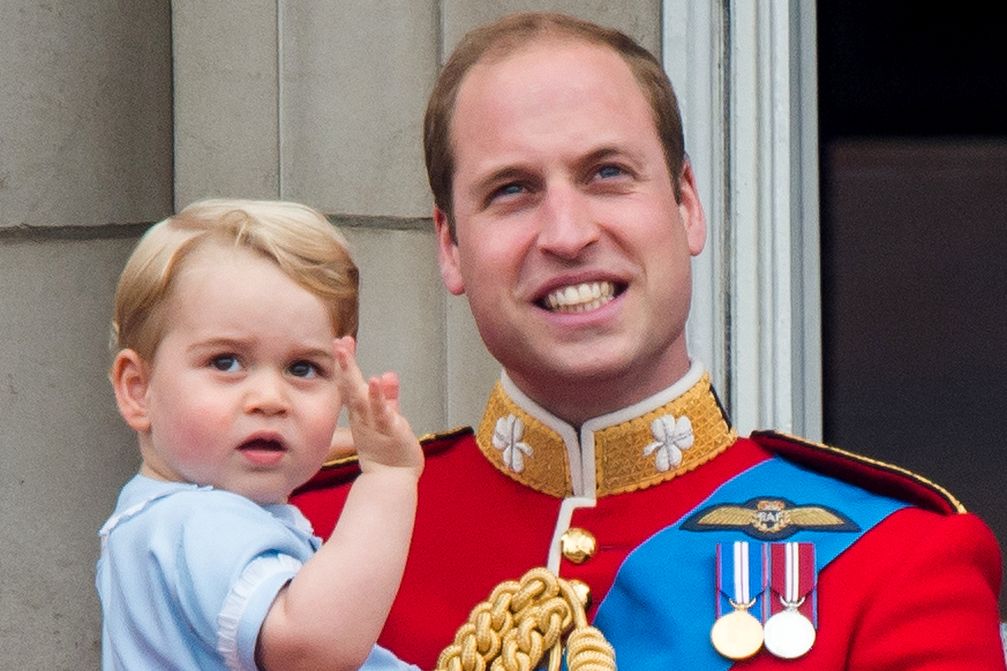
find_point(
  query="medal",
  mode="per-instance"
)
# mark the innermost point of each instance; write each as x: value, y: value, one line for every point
x: 789, y: 634
x: 736, y: 633
x: 790, y: 631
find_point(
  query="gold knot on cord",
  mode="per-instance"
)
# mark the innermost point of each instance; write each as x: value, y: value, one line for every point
x: 521, y: 622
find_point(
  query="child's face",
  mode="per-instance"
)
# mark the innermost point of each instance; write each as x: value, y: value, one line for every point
x: 241, y: 394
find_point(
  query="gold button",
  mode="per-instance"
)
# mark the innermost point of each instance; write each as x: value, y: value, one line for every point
x: 577, y: 545
x: 582, y: 591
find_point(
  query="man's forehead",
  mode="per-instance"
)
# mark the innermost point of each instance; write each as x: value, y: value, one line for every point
x: 542, y: 88
x: 501, y: 49
x: 507, y: 51
x: 543, y: 70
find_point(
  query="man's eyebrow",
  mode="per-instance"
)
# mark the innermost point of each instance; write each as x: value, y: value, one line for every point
x: 501, y: 175
x: 604, y: 152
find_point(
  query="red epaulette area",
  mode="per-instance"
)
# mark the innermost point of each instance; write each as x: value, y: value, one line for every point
x: 344, y: 469
x: 435, y: 442
x: 876, y: 476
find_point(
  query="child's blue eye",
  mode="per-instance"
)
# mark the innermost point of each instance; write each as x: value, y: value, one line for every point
x: 227, y: 363
x: 304, y: 369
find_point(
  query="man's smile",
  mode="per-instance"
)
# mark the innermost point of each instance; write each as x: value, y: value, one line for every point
x: 581, y: 297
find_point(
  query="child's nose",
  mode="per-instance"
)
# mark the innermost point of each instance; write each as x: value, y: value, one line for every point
x: 267, y: 394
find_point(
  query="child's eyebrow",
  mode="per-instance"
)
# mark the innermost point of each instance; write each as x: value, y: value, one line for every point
x: 220, y: 343
x: 315, y: 353
x: 299, y: 350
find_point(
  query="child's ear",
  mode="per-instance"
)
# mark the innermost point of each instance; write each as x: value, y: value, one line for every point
x: 130, y: 379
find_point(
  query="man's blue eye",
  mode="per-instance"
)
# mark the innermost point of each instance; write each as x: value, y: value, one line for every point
x: 304, y: 369
x: 227, y: 363
x: 509, y: 190
x: 607, y: 171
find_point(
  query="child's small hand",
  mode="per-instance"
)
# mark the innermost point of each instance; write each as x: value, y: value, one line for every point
x: 381, y: 436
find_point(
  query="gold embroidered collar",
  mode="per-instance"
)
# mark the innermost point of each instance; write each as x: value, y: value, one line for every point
x: 653, y: 441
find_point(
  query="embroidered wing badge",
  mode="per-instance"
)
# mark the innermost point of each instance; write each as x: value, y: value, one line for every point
x: 769, y: 519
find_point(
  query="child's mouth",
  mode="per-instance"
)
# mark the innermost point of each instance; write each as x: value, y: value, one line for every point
x: 262, y: 451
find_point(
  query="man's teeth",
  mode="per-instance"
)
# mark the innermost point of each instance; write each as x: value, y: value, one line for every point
x: 580, y: 297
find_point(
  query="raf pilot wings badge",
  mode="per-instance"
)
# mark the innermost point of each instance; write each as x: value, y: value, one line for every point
x: 769, y: 518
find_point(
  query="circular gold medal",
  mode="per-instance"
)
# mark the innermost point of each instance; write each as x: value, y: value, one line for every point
x: 737, y: 635
x: 789, y: 634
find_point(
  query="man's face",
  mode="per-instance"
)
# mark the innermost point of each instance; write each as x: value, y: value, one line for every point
x: 571, y: 246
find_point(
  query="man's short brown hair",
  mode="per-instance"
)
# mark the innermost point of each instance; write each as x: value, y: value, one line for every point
x: 497, y: 39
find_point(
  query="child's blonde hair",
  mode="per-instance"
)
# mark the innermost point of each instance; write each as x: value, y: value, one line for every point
x: 300, y: 240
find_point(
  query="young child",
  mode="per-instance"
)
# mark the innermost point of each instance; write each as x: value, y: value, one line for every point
x: 233, y: 325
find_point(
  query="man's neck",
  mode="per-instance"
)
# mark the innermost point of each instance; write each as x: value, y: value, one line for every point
x: 578, y: 401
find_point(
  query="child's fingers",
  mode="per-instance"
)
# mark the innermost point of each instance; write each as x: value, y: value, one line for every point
x: 352, y: 386
x: 372, y: 402
x: 381, y: 436
x: 390, y: 388
x: 381, y: 408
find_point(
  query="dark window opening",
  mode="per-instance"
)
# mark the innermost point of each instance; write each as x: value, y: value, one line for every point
x: 913, y: 157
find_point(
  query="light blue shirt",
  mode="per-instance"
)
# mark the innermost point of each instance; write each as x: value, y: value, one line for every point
x: 188, y: 573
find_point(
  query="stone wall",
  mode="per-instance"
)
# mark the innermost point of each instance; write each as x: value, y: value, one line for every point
x: 114, y: 113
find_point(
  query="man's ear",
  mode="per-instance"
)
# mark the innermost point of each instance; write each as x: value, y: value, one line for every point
x: 130, y: 379
x: 691, y: 211
x: 447, y: 254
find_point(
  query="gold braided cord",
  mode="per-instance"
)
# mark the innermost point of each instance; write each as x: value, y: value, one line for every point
x: 521, y: 622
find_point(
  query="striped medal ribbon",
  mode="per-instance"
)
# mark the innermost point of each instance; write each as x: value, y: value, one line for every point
x: 791, y: 628
x: 736, y: 633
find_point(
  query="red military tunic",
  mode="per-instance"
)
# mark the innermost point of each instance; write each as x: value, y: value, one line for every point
x: 916, y: 591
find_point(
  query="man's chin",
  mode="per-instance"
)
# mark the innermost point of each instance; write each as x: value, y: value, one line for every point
x: 595, y: 378
x: 568, y: 374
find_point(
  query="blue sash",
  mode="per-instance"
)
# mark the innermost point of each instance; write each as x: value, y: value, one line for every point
x: 662, y: 604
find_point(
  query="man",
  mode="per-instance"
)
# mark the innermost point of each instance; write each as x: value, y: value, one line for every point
x: 567, y: 212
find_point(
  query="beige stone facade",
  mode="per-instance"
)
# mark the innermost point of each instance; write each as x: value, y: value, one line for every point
x: 114, y: 113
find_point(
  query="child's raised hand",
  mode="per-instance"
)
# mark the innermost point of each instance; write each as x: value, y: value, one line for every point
x: 380, y: 435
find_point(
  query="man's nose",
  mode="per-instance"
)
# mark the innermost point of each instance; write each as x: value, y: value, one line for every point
x: 567, y: 223
x: 267, y: 393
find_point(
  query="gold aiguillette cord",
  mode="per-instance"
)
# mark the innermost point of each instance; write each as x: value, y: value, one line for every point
x: 521, y: 622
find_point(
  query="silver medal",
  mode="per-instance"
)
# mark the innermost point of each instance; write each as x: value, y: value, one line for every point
x: 789, y: 634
